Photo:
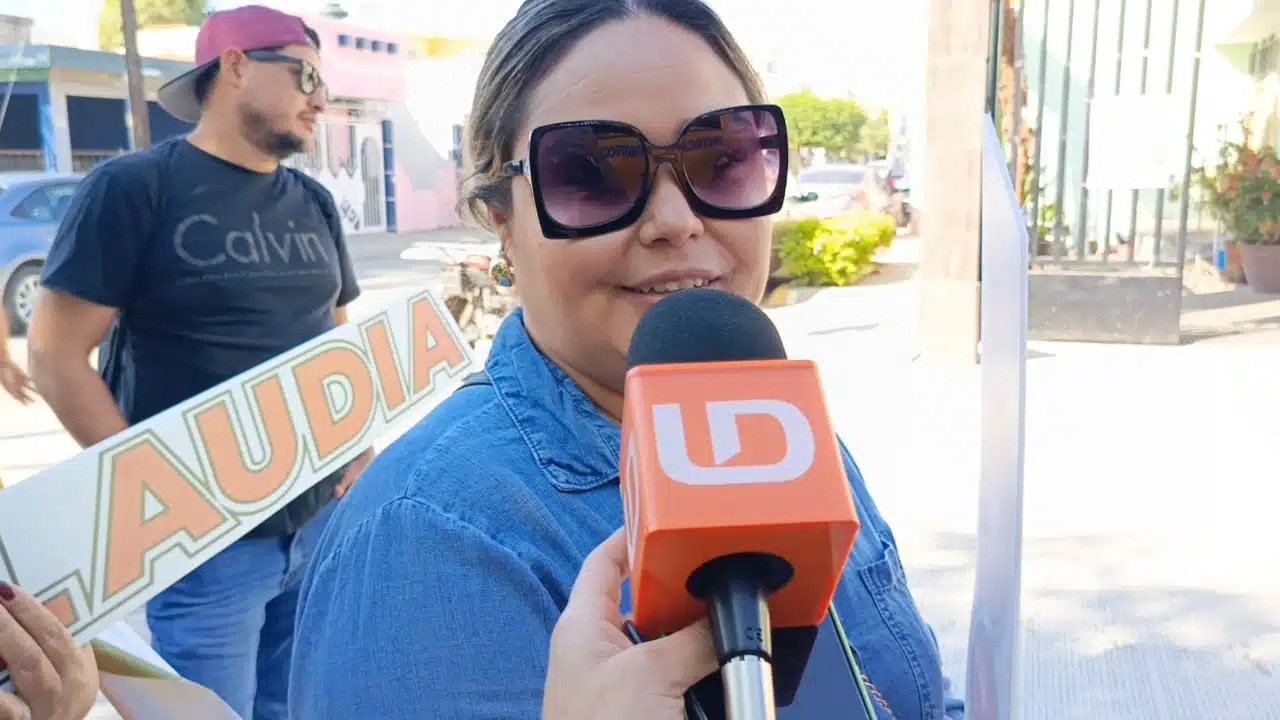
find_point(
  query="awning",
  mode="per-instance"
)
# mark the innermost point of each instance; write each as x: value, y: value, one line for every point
x: 1262, y: 22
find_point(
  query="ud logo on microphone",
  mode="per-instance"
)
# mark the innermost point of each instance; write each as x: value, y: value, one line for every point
x: 797, y: 451
x: 631, y: 501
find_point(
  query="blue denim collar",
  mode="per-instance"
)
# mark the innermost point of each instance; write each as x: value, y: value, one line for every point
x: 574, y: 444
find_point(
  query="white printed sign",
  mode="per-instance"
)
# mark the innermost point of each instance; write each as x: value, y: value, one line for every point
x: 1136, y: 142
x: 98, y: 535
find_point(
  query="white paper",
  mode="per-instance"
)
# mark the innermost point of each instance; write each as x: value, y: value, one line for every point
x: 124, y: 637
x: 153, y: 699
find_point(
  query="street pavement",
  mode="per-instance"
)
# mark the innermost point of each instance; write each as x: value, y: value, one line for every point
x: 1150, y: 583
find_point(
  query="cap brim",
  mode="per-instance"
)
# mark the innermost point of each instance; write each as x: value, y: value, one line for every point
x: 178, y: 96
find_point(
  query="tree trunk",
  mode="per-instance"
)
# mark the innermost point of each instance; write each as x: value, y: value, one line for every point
x: 1013, y: 87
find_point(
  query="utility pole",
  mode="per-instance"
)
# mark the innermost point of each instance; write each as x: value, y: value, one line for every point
x: 133, y: 67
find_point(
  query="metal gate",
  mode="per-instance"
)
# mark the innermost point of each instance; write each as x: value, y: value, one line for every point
x: 1097, y: 105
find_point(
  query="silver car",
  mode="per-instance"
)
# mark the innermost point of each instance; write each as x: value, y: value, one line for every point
x: 31, y: 206
x: 825, y: 190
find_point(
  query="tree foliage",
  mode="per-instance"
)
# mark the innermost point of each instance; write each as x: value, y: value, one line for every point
x: 150, y: 13
x: 832, y: 124
x: 876, y: 135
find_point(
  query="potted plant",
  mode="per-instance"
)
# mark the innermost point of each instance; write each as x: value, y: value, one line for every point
x: 1242, y: 191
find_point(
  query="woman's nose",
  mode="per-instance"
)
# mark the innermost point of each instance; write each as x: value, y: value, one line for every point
x: 667, y: 216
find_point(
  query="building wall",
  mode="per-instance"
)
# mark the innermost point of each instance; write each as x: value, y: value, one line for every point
x: 360, y: 62
x: 373, y: 70
x: 24, y: 139
x: 347, y: 158
x: 437, y: 100
x: 67, y: 83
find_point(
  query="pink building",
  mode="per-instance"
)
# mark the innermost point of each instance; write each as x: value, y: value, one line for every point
x: 372, y: 125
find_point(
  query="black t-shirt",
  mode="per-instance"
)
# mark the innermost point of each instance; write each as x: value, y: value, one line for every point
x: 214, y: 268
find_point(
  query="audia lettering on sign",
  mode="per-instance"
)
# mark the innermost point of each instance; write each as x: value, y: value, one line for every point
x: 244, y: 450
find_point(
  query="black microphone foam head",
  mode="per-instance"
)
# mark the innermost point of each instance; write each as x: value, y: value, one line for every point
x: 704, y: 325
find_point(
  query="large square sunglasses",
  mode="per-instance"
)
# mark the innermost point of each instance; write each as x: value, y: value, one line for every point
x: 592, y: 177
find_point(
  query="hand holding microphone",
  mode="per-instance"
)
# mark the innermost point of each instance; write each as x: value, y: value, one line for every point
x: 736, y: 500
x: 596, y: 672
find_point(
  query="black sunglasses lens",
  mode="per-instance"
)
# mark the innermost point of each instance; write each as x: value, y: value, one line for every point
x: 733, y: 159
x: 589, y: 175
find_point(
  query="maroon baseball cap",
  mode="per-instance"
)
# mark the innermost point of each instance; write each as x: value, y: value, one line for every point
x: 252, y: 27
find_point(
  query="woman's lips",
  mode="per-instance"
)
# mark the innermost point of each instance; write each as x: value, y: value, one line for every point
x: 652, y: 296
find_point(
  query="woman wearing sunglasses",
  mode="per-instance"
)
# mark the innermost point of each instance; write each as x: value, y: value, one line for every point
x: 621, y: 150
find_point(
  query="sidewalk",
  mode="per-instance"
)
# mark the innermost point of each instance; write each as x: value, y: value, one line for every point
x: 1149, y: 511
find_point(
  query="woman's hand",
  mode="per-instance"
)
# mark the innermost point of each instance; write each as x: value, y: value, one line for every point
x: 55, y: 679
x: 596, y: 672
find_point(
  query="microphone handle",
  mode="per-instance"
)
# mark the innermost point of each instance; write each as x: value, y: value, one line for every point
x: 748, y: 689
x: 736, y: 589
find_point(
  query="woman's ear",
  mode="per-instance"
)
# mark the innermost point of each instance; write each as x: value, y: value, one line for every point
x: 501, y: 220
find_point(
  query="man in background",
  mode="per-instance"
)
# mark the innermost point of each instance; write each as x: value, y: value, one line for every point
x: 12, y: 377
x: 197, y: 259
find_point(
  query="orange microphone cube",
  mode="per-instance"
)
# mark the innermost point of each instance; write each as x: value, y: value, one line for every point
x: 726, y: 458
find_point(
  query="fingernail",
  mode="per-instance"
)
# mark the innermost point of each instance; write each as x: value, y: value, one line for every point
x: 6, y: 592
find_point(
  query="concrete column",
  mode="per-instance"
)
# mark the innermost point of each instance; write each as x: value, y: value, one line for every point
x: 950, y: 217
x: 60, y: 128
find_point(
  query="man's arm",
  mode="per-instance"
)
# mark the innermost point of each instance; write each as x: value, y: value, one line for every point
x: 89, y: 275
x: 65, y: 331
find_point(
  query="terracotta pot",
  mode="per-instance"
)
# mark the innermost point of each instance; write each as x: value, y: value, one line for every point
x: 1262, y: 267
x: 1234, y: 271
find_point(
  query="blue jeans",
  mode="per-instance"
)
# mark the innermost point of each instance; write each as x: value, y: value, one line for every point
x: 228, y: 625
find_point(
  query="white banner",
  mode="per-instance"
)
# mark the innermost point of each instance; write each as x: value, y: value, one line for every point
x: 98, y: 535
x: 995, y: 628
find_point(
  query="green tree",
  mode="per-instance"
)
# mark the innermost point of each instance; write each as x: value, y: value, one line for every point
x: 151, y: 13
x: 833, y: 124
x: 876, y: 136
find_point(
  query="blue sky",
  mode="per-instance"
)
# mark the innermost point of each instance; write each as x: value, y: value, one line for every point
x: 869, y: 47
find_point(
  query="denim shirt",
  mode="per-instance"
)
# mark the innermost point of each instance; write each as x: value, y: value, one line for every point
x: 441, y: 574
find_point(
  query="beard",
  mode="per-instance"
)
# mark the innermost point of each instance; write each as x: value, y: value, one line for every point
x: 258, y: 130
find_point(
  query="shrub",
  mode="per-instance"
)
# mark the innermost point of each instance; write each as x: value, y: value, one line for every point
x: 1242, y: 189
x: 832, y: 251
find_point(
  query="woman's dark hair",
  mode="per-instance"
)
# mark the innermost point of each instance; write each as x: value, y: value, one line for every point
x: 528, y: 48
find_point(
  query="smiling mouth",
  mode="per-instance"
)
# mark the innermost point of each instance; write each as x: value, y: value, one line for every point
x: 666, y: 288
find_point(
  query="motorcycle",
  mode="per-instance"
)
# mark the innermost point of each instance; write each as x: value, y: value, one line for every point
x: 477, y: 303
